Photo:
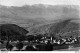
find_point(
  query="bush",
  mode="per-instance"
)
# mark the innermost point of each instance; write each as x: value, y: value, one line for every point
x: 19, y: 46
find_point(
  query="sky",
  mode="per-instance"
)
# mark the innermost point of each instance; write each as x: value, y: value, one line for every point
x: 31, y: 2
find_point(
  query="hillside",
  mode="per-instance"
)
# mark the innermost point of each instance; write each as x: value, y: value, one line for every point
x: 59, y: 29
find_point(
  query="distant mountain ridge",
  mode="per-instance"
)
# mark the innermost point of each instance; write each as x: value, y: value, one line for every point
x: 37, y: 14
x: 40, y: 10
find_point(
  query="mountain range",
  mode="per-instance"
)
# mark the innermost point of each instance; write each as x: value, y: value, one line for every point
x: 29, y: 16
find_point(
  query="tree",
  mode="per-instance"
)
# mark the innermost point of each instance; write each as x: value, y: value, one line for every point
x: 19, y: 45
x: 30, y: 38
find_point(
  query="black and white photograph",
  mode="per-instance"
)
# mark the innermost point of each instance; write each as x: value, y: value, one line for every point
x: 39, y: 25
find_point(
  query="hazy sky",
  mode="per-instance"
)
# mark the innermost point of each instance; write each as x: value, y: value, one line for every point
x: 31, y: 2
